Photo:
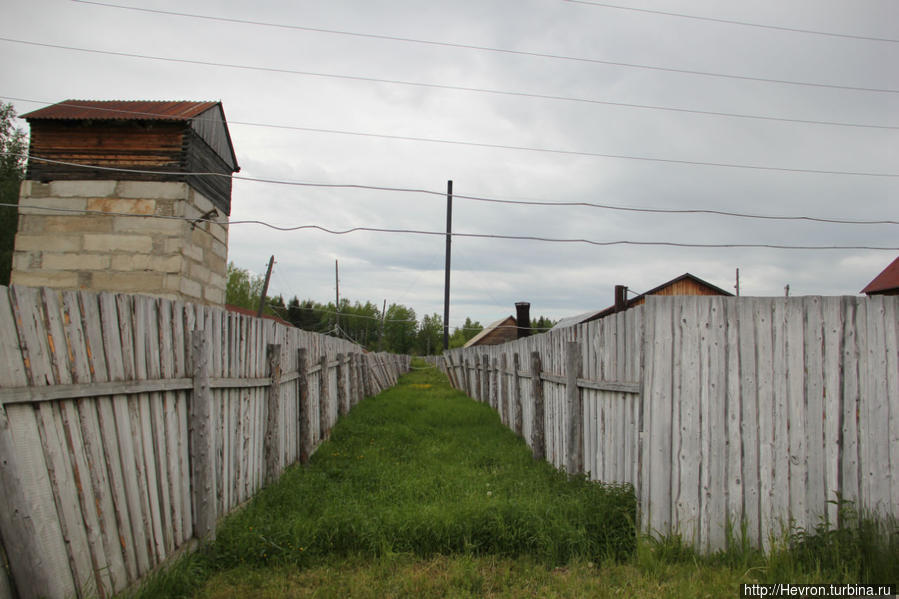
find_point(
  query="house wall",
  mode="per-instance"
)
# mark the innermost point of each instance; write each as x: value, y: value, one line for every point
x: 148, y: 150
x: 153, y: 145
x: 683, y: 287
x: 117, y: 245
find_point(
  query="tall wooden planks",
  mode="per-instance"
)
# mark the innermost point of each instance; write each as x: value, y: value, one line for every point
x: 202, y: 442
x: 575, y: 462
x: 36, y: 552
x: 306, y: 412
x: 753, y: 413
x: 272, y: 442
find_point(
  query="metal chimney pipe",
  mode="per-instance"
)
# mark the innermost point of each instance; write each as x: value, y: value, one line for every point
x: 523, y: 318
x: 620, y: 298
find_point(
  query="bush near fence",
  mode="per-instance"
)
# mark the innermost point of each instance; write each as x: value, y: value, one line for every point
x: 728, y: 415
x: 129, y: 425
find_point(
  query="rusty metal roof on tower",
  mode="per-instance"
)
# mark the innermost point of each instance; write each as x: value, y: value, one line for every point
x: 122, y: 110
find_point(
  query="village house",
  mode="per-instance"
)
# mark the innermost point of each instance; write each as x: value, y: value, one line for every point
x: 506, y: 329
x: 686, y: 284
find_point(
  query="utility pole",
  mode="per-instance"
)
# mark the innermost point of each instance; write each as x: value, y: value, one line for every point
x: 337, y: 301
x: 737, y: 286
x: 446, y: 276
x: 787, y: 290
x: 268, y: 276
x: 383, y: 317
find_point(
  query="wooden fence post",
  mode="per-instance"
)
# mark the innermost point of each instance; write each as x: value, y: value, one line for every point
x: 494, y: 387
x: 538, y: 437
x: 306, y: 441
x: 271, y: 446
x: 485, y: 379
x: 575, y: 461
x: 26, y: 561
x: 366, y: 377
x: 477, y: 380
x: 351, y: 380
x: 516, y: 394
x: 324, y: 411
x: 449, y: 365
x: 466, y: 378
x: 202, y: 457
x: 356, y: 379
x: 504, y: 390
x: 341, y: 386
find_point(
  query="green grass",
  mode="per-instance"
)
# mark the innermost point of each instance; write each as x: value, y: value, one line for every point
x: 419, y: 471
x: 421, y: 492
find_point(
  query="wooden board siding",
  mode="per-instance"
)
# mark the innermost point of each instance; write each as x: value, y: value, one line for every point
x: 124, y: 144
x: 161, y: 147
x: 682, y: 287
x: 200, y: 157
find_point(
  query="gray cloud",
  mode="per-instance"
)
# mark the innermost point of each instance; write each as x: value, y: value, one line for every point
x: 489, y: 275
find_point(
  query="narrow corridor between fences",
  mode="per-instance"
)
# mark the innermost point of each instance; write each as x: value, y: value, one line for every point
x: 419, y: 469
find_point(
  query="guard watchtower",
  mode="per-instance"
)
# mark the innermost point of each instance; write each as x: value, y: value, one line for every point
x: 111, y: 193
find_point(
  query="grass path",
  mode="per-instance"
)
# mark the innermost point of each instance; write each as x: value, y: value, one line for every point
x: 421, y: 492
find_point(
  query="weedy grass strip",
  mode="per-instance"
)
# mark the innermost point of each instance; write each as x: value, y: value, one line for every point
x: 419, y: 470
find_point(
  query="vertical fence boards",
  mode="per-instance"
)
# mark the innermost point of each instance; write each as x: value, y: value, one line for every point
x: 106, y: 485
x: 752, y: 413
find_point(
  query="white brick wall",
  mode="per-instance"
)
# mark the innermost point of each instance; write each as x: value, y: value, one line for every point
x: 137, y: 254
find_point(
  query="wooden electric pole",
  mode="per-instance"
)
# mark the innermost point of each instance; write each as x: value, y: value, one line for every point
x: 446, y: 275
x: 383, y: 317
x: 337, y: 300
x: 268, y: 276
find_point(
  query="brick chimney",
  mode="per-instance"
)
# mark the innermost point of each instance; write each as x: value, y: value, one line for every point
x: 523, y: 318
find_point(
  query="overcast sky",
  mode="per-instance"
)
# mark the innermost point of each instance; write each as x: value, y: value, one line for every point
x: 664, y: 151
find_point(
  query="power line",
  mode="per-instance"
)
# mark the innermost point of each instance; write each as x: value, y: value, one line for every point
x: 475, y: 235
x: 436, y: 85
x: 650, y: 159
x: 730, y: 22
x: 674, y: 109
x: 536, y: 149
x: 683, y: 211
x: 529, y: 53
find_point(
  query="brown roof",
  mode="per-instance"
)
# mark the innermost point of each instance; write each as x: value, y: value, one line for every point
x: 597, y: 314
x: 886, y: 280
x: 121, y: 110
x: 508, y: 321
x: 248, y: 312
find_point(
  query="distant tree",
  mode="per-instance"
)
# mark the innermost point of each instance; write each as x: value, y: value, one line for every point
x: 243, y: 288
x: 461, y: 335
x: 429, y: 339
x: 400, y: 328
x: 306, y: 315
x: 13, y: 146
x: 542, y: 324
x: 361, y: 323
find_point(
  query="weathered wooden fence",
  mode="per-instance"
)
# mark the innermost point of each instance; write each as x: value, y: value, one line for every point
x: 750, y: 412
x: 129, y: 425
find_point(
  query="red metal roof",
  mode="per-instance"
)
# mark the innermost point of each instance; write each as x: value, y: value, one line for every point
x: 886, y: 280
x: 121, y: 110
